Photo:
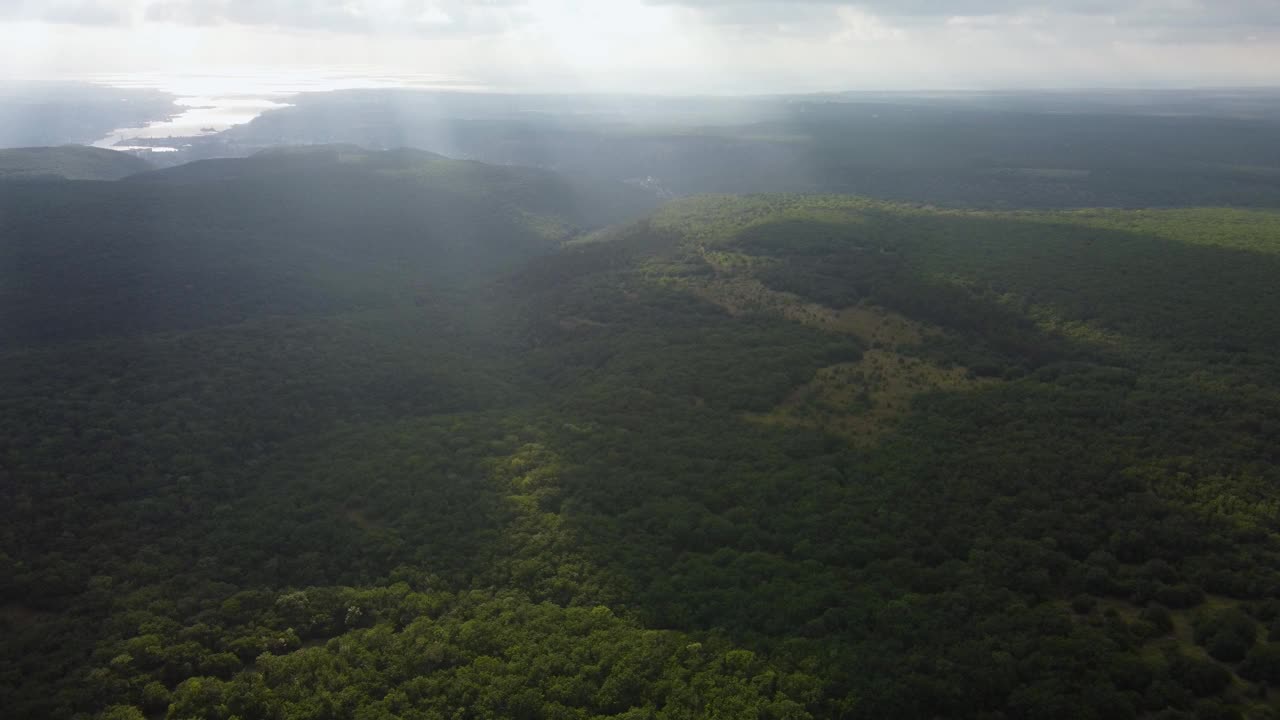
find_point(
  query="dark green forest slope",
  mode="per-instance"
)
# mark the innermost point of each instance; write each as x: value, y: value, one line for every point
x: 765, y: 457
x: 311, y: 230
x: 68, y: 162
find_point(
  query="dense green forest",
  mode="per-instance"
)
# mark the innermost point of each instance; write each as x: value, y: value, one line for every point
x: 69, y: 162
x: 286, y: 232
x: 773, y: 457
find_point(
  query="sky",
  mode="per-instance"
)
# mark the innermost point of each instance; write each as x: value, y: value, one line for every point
x: 661, y: 46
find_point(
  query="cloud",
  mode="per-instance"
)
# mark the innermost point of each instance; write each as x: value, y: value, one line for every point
x: 668, y: 45
x: 1148, y: 19
x: 1097, y: 20
x: 68, y: 12
x: 351, y: 16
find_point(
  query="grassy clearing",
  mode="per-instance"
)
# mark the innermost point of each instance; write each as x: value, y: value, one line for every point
x: 858, y: 400
x: 741, y: 295
x: 863, y: 400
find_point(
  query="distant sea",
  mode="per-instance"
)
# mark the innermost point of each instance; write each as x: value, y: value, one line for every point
x: 212, y: 102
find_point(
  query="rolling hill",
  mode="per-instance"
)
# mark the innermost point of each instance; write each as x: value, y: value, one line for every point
x: 68, y: 162
x: 769, y: 456
x: 285, y: 232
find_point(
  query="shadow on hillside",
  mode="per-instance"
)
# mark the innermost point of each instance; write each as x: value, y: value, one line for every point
x: 989, y: 276
x: 631, y: 479
x: 1099, y: 472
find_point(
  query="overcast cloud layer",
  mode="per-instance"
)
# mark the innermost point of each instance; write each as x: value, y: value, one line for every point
x: 667, y: 45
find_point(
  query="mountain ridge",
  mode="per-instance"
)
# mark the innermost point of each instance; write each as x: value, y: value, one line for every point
x: 283, y: 232
x: 68, y: 162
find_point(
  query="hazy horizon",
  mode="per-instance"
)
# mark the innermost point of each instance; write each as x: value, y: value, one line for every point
x: 139, y: 111
x: 662, y: 46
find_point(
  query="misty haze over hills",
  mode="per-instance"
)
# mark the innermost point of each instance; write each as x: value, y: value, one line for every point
x: 992, y: 149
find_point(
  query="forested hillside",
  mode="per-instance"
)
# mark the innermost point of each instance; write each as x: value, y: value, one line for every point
x: 69, y: 162
x: 290, y: 232
x: 764, y: 457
